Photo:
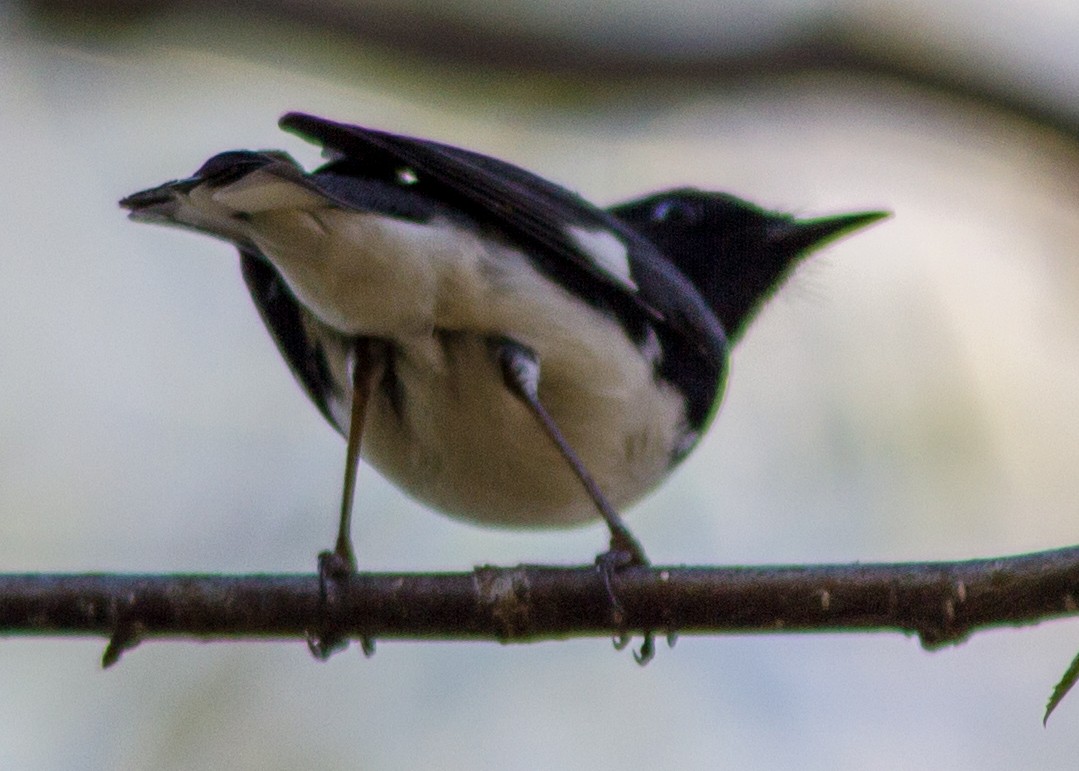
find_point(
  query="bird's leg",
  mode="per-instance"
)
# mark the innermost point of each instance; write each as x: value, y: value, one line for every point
x: 521, y: 373
x: 335, y: 567
x: 362, y: 366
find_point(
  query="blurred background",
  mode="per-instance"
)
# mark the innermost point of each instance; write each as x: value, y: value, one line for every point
x: 910, y: 395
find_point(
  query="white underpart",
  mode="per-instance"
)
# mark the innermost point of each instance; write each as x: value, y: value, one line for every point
x: 607, y: 251
x: 465, y: 444
x: 260, y: 192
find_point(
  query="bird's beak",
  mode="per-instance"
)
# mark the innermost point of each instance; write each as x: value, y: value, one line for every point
x: 158, y: 201
x: 798, y: 236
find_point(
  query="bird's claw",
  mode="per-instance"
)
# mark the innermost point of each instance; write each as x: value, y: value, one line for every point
x: 334, y: 571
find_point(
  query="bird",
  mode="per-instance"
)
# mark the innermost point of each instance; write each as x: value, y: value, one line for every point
x: 497, y: 346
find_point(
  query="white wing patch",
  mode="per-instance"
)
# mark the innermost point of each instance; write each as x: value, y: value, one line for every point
x: 650, y: 348
x: 607, y: 251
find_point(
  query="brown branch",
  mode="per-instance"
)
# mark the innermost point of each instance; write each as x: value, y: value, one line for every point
x: 941, y: 602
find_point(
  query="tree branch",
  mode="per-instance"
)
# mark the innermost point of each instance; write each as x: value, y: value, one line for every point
x: 941, y: 602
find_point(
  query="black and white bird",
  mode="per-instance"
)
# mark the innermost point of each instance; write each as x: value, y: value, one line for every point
x: 512, y: 354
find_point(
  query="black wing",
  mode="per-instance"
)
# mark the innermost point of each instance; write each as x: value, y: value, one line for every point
x: 535, y: 213
x: 302, y: 339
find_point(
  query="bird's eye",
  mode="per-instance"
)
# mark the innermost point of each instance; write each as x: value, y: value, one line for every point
x: 673, y: 211
x: 407, y: 176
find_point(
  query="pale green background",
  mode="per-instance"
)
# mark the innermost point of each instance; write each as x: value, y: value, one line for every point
x: 911, y: 395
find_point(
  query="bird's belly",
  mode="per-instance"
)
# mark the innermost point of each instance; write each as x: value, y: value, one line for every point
x: 457, y: 439
x: 452, y: 434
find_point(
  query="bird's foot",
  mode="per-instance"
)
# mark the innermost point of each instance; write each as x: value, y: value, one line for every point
x: 335, y: 569
x: 625, y: 552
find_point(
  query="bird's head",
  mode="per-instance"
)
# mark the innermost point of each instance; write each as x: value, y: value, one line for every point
x: 735, y: 253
